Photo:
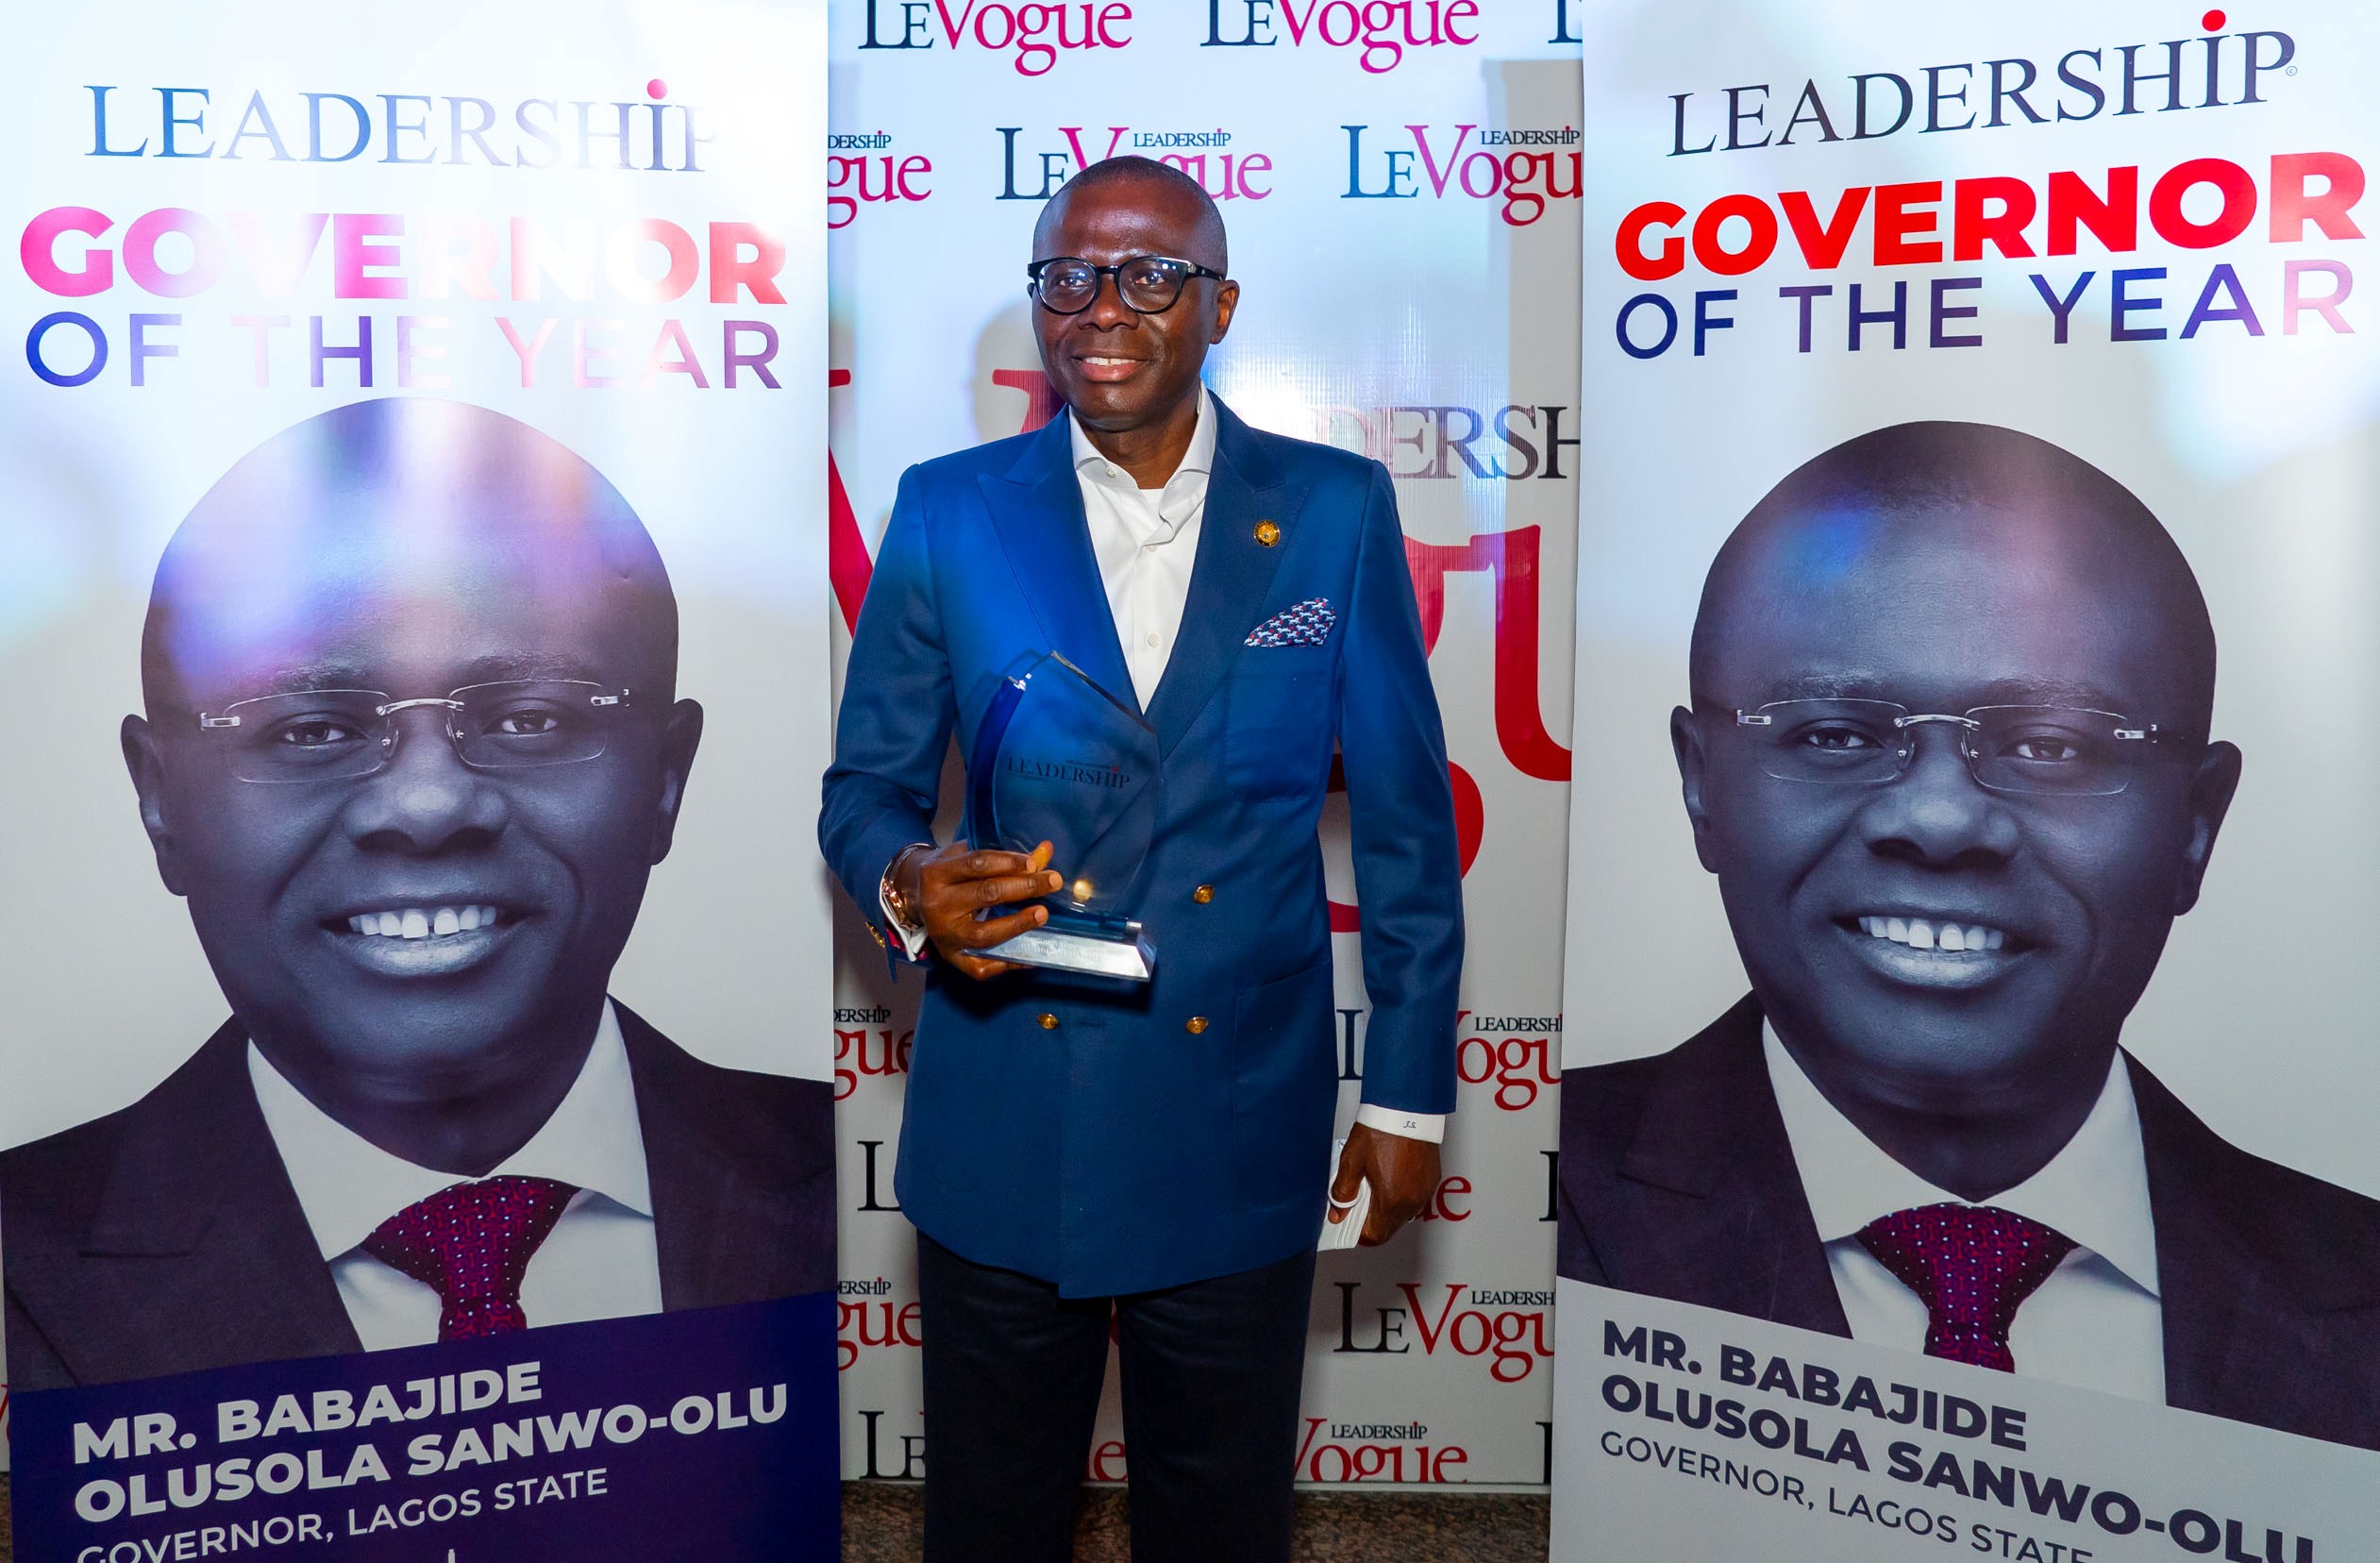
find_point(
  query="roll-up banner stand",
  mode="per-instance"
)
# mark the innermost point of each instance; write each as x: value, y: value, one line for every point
x: 1965, y: 1141
x: 412, y: 584
x: 1400, y: 184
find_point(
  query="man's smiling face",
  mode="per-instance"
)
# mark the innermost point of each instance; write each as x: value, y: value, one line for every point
x: 1116, y: 369
x: 411, y: 926
x: 1947, y: 942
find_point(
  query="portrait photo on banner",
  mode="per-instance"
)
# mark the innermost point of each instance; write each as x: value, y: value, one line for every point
x: 1951, y: 756
x: 410, y: 743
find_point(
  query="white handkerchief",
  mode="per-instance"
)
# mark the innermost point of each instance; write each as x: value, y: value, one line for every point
x: 1346, y: 1234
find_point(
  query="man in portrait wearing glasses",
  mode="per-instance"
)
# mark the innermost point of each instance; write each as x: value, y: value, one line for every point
x: 411, y: 748
x: 1949, y: 758
x: 1149, y: 1158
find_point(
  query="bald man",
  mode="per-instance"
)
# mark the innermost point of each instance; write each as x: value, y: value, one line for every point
x: 1152, y: 1159
x: 411, y: 748
x: 1949, y: 757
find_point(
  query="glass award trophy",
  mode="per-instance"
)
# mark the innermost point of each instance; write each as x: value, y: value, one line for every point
x: 1058, y: 759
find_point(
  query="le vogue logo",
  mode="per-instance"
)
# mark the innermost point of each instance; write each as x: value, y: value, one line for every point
x: 1377, y: 33
x: 1508, y: 1330
x: 1224, y: 170
x: 1399, y: 1453
x: 1032, y: 36
x: 861, y: 170
x: 647, y: 133
x: 1518, y: 170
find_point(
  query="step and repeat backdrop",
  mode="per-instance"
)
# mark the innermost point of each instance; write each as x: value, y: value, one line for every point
x: 1966, y: 1136
x: 412, y: 596
x: 1402, y: 183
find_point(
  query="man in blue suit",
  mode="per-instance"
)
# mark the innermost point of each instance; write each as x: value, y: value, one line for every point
x: 1156, y: 1155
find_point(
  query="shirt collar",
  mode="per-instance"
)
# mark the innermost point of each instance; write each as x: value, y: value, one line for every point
x: 1196, y: 462
x: 2094, y: 1190
x: 347, y: 1186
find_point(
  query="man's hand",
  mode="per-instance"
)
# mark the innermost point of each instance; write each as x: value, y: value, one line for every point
x: 951, y: 885
x: 1403, y: 1174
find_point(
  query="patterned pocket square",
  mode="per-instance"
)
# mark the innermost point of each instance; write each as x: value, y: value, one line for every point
x: 1307, y: 624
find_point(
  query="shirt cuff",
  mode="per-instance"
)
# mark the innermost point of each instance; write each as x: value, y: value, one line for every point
x: 1413, y: 1126
x: 911, y: 945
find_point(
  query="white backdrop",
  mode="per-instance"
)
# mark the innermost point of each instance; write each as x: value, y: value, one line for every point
x: 1404, y: 222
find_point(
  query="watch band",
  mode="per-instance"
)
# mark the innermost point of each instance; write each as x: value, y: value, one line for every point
x: 904, y: 914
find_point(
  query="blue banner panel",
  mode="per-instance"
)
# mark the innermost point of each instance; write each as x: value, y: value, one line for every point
x: 697, y: 1434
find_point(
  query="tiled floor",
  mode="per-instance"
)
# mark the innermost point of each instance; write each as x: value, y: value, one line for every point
x: 880, y: 1522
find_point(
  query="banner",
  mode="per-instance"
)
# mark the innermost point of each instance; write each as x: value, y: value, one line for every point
x: 412, y: 586
x: 1965, y: 1143
x: 1400, y: 184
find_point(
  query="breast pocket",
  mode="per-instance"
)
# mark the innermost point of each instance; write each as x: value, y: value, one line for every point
x: 1281, y: 719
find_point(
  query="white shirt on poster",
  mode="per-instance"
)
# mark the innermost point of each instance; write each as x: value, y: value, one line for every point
x: 2096, y: 1323
x: 599, y: 1260
x: 1146, y: 542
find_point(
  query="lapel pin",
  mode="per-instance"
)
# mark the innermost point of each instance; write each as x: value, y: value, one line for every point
x: 1268, y: 533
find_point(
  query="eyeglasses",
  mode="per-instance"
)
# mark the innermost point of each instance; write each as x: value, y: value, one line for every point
x: 339, y: 735
x: 2062, y: 750
x: 1149, y: 283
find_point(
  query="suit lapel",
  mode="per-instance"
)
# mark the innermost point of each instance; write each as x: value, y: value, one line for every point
x: 1711, y: 1131
x: 198, y: 1239
x: 1036, y: 508
x: 1229, y: 582
x: 715, y: 1223
x: 2232, y: 1337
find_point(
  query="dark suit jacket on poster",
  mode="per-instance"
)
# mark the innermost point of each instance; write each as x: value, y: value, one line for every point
x: 166, y: 1237
x: 1118, y: 1137
x: 1677, y: 1181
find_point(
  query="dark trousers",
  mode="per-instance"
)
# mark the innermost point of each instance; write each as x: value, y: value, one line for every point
x: 1210, y: 1374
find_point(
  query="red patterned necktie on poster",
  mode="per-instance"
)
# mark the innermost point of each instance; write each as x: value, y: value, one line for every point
x: 471, y: 1243
x: 1971, y: 1266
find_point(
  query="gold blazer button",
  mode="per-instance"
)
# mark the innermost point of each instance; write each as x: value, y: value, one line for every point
x: 1197, y: 1023
x: 1049, y: 1021
x: 1268, y: 533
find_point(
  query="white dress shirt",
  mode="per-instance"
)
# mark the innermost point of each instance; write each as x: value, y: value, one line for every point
x: 2096, y: 1322
x: 599, y: 1260
x: 1146, y: 542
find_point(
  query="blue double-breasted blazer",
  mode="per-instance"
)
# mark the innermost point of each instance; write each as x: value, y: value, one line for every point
x: 1120, y: 1138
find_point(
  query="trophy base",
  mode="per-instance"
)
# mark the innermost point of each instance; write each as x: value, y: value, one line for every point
x: 1094, y: 947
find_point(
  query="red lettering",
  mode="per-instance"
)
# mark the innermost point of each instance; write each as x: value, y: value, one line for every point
x: 2292, y: 207
x: 37, y: 251
x: 1074, y: 141
x: 1511, y: 556
x: 2237, y: 186
x: 1440, y: 1207
x: 953, y: 31
x: 1822, y: 244
x: 1314, y: 1425
x: 1429, y: 163
x: 1762, y: 243
x: 729, y: 270
x: 2113, y: 220
x: 1972, y: 225
x: 206, y: 251
x: 1629, y: 244
x: 1430, y: 1332
x: 1897, y: 223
